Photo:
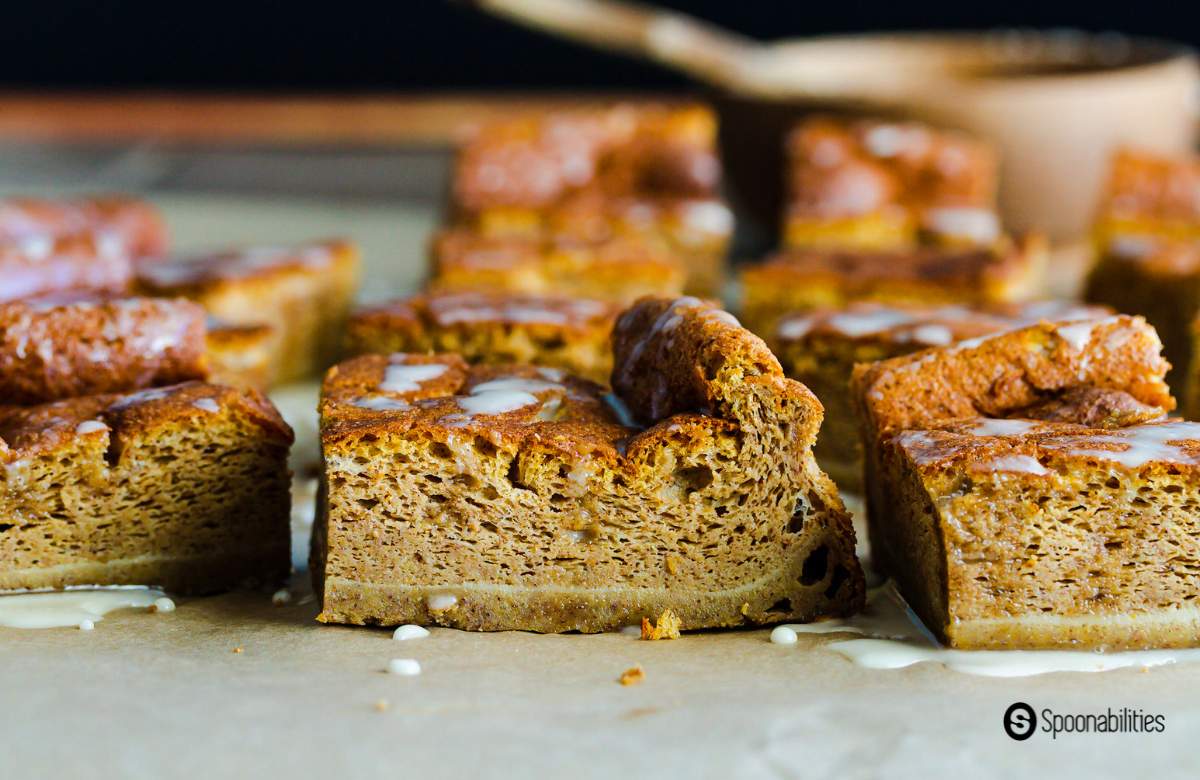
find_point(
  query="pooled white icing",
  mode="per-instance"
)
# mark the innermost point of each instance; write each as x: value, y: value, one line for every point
x: 783, y: 635
x: 1001, y: 427
x: 1077, y: 334
x: 707, y: 216
x: 895, y: 639
x: 861, y: 323
x: 90, y: 426
x: 133, y: 399
x: 933, y: 335
x: 1143, y: 444
x: 380, y: 403
x: 400, y: 378
x: 1023, y: 464
x: 506, y: 394
x: 71, y: 607
x: 795, y: 328
x: 207, y: 405
x: 410, y: 631
x: 979, y: 225
x: 889, y: 140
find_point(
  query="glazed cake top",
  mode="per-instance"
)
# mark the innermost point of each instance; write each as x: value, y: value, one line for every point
x: 468, y: 249
x: 524, y: 406
x: 861, y: 269
x: 537, y: 161
x: 77, y: 262
x: 1153, y: 188
x: 928, y: 326
x: 35, y: 430
x: 999, y: 374
x: 456, y: 309
x: 1039, y: 449
x: 136, y: 224
x: 848, y: 169
x: 215, y: 268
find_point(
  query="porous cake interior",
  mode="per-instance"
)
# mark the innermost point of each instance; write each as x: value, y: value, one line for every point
x: 184, y: 487
x: 511, y: 497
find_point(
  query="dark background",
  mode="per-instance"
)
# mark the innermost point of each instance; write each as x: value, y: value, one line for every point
x: 432, y: 44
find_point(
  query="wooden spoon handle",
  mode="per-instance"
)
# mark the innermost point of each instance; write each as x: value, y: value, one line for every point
x: 675, y: 40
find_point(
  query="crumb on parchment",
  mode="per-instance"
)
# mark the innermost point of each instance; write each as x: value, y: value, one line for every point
x: 667, y: 627
x: 632, y: 676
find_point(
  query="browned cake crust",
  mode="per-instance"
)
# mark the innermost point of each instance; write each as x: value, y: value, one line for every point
x: 303, y: 291
x: 55, y: 348
x: 798, y: 280
x: 81, y: 262
x: 555, y: 331
x: 611, y: 270
x: 875, y: 184
x: 183, y: 486
x: 241, y: 355
x: 646, y: 174
x: 820, y: 348
x: 135, y: 224
x: 1029, y: 524
x: 493, y: 498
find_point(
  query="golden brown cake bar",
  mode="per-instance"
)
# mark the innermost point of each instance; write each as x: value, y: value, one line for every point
x: 134, y: 224
x: 241, y: 355
x: 513, y: 497
x: 617, y: 270
x: 647, y: 173
x: 801, y: 279
x: 304, y: 292
x: 1017, y: 482
x: 875, y: 184
x: 1050, y: 535
x: 55, y: 348
x: 184, y: 487
x: 77, y: 263
x: 567, y: 333
x: 1148, y: 198
x: 820, y: 348
x: 1147, y: 237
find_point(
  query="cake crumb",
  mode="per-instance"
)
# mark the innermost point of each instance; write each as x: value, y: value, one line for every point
x: 281, y: 597
x: 672, y: 567
x: 163, y: 604
x: 238, y: 650
x: 667, y: 627
x: 382, y: 705
x: 746, y: 608
x: 632, y: 676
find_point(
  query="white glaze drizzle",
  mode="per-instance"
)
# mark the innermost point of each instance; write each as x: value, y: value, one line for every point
x: 894, y: 638
x: 71, y: 607
x: 401, y: 378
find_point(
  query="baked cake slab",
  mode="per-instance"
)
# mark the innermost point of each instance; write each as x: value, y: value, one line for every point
x: 302, y: 291
x: 514, y: 497
x: 555, y: 331
x: 184, y: 487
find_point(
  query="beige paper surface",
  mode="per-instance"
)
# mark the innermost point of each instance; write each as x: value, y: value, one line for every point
x: 161, y: 696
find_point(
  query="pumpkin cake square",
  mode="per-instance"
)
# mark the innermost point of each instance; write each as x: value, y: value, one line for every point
x: 1025, y: 489
x: 517, y: 497
x: 820, y: 348
x: 876, y: 184
x: 544, y: 330
x: 304, y: 292
x: 133, y: 224
x: 184, y: 487
x: 645, y: 174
